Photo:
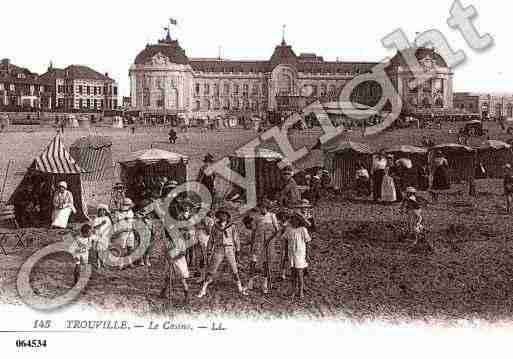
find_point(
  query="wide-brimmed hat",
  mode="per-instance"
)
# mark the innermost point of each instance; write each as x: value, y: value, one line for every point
x: 171, y: 184
x: 104, y: 207
x: 220, y: 211
x: 208, y: 158
x: 127, y: 204
x: 411, y: 190
x: 62, y: 184
x: 304, y: 203
x: 287, y: 170
x: 303, y: 222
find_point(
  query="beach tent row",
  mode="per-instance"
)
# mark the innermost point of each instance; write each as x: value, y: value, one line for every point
x: 341, y: 158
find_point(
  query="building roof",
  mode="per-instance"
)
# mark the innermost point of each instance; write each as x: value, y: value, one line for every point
x: 11, y: 73
x: 282, y: 54
x: 169, y: 48
x: 420, y: 53
x: 73, y: 72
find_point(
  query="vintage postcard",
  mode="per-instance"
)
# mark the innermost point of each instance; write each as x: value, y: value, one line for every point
x: 251, y: 179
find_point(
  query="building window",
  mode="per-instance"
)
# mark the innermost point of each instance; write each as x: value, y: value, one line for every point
x: 115, y: 103
x: 236, y: 89
x: 80, y: 103
x: 101, y: 103
x: 115, y: 89
x: 88, y: 91
x: 207, y: 105
x: 206, y: 89
x: 216, y: 90
x: 146, y: 97
x: 95, y: 102
x: 197, y: 89
x: 255, y: 90
x: 60, y: 102
x: 95, y: 90
x: 99, y: 90
x: 226, y: 89
x: 88, y: 103
x: 323, y: 90
x: 245, y: 89
x: 197, y: 106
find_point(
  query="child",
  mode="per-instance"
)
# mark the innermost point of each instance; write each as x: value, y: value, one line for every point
x: 297, y: 237
x: 413, y: 211
x: 224, y: 242
x: 508, y: 186
x: 202, y: 231
x: 263, y: 232
x: 124, y: 220
x: 102, y: 226
x: 80, y: 249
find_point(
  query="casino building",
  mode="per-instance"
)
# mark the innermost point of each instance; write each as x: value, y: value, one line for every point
x: 163, y: 80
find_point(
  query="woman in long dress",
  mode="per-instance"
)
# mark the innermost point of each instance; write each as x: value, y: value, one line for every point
x: 388, y: 193
x: 62, y: 206
x: 441, y: 180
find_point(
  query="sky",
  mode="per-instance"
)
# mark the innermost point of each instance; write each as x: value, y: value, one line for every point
x: 108, y: 35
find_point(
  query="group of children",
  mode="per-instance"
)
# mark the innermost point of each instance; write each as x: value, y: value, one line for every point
x: 218, y: 239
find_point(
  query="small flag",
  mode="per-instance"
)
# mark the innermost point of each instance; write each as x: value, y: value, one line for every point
x: 172, y: 21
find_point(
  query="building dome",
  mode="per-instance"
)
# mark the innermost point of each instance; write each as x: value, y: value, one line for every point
x: 421, y: 53
x: 169, y: 48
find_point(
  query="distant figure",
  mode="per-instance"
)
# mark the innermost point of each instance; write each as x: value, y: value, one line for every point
x: 207, y: 180
x: 363, y: 185
x: 378, y: 172
x: 441, y: 180
x: 289, y: 196
x: 172, y: 136
x: 388, y: 190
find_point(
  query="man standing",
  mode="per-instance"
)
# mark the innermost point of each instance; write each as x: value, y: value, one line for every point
x: 205, y: 179
x: 289, y: 196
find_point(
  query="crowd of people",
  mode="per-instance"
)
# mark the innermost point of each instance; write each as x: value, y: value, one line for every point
x: 277, y: 234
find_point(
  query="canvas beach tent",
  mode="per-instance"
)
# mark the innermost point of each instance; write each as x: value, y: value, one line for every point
x: 493, y: 155
x: 53, y: 165
x: 151, y: 164
x: 341, y: 160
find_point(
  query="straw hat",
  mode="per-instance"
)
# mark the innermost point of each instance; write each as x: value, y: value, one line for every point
x: 303, y: 222
x: 220, y: 211
x: 62, y: 184
x: 304, y: 204
x: 127, y: 204
x: 208, y: 158
x: 104, y: 207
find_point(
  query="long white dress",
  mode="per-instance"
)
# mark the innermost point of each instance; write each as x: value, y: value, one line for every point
x: 388, y: 193
x: 63, y: 207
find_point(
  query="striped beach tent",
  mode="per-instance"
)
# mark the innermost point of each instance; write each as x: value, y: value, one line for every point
x: 53, y: 165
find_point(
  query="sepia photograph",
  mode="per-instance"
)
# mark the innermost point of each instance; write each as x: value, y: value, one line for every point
x: 260, y: 178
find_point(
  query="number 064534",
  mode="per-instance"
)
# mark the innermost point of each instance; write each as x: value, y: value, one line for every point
x: 31, y: 343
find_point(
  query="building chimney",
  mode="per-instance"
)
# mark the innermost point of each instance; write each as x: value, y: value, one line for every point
x: 106, y: 74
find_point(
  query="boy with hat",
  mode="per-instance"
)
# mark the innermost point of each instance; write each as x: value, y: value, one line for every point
x: 414, y: 214
x: 124, y: 221
x: 80, y: 248
x: 63, y: 206
x: 225, y: 245
x: 264, y: 228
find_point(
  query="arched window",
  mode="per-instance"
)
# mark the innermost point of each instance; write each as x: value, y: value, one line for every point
x: 439, y: 102
x: 284, y: 84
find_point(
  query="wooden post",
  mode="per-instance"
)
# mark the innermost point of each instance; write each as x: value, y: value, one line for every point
x: 5, y: 180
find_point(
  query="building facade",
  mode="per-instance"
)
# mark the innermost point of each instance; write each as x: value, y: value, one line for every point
x: 19, y: 88
x: 164, y: 80
x: 485, y: 104
x: 80, y: 88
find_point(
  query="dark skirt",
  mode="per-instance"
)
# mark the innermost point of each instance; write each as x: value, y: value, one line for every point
x: 363, y: 187
x: 441, y: 179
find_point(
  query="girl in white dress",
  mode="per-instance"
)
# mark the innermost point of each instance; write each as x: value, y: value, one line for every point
x: 297, y: 237
x: 102, y: 225
x: 388, y: 193
x: 124, y: 223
